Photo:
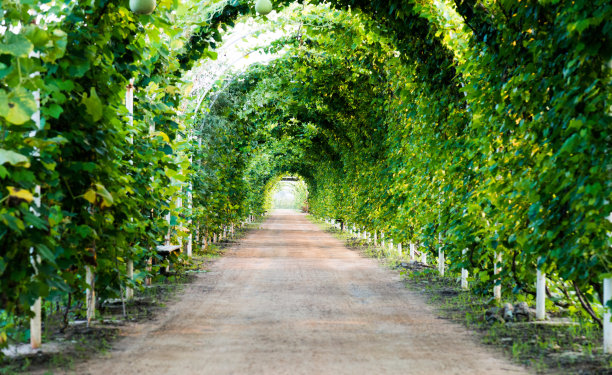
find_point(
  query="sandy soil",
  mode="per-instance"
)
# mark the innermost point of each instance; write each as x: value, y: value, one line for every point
x: 291, y: 299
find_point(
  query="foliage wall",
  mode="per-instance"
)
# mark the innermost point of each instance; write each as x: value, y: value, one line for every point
x: 468, y: 124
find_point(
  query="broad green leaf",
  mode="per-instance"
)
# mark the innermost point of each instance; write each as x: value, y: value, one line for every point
x: 21, y: 106
x: 93, y: 104
x: 53, y: 110
x: 37, y: 36
x: 13, y: 158
x: 16, y: 45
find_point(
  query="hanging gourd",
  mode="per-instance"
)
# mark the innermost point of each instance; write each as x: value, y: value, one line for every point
x: 263, y: 7
x: 143, y: 6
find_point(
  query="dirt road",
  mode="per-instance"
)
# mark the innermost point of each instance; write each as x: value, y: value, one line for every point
x: 291, y: 299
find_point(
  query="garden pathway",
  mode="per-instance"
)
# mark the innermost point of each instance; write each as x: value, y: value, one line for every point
x: 291, y: 299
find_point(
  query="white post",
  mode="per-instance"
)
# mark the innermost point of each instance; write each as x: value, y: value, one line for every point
x: 179, y: 205
x: 440, y: 256
x: 540, y: 294
x: 36, y: 321
x: 382, y: 239
x: 90, y: 295
x: 190, y: 242
x: 496, y: 271
x: 399, y: 249
x: 607, y: 325
x: 607, y: 315
x: 168, y: 219
x: 412, y: 249
x: 424, y: 257
x: 190, y: 208
x: 391, y: 246
x: 129, y: 292
x: 36, y: 325
x: 375, y: 238
x: 365, y: 235
x: 129, y: 104
x: 464, y: 274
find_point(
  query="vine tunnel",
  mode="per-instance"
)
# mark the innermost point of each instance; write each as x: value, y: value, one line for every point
x: 475, y: 125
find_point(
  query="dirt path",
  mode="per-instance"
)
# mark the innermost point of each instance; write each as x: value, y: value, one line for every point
x: 291, y: 299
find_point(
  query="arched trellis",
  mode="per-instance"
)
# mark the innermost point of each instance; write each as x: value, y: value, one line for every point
x: 540, y: 283
x: 484, y: 32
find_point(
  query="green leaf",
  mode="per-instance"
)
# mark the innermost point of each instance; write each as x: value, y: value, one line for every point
x: 37, y: 36
x: 53, y: 110
x: 13, y: 158
x: 93, y: 104
x: 107, y: 198
x: 90, y: 196
x: 16, y: 45
x: 13, y: 222
x: 21, y: 106
x: 45, y: 253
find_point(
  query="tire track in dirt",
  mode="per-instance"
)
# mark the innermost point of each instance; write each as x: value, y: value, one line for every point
x: 291, y: 299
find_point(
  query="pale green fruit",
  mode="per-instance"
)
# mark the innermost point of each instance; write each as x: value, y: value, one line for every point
x: 263, y: 7
x: 142, y: 6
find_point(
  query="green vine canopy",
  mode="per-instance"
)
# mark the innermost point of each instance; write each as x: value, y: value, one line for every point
x: 468, y: 124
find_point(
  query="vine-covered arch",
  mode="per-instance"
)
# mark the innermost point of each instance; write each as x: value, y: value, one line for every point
x: 484, y: 123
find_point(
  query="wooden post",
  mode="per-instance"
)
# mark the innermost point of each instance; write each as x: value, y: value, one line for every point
x: 90, y: 295
x: 540, y: 294
x: 412, y: 249
x: 607, y: 324
x: 464, y: 274
x: 496, y: 271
